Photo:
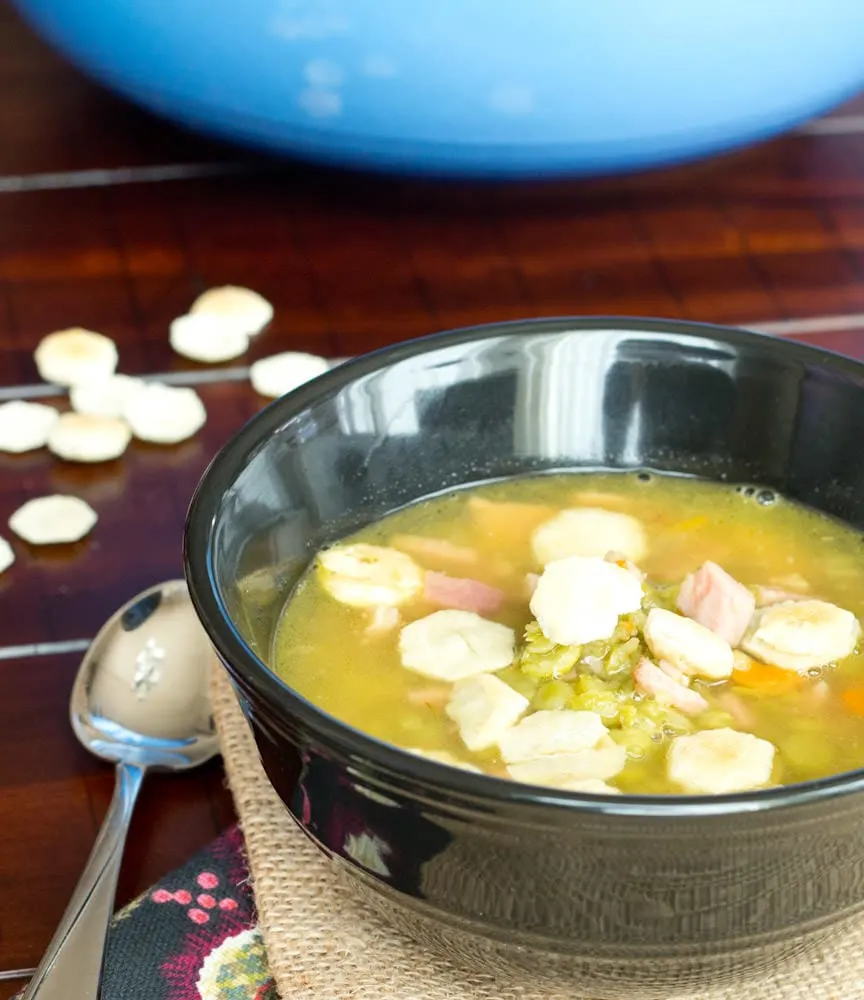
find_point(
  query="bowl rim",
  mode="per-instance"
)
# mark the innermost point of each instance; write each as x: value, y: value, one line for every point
x: 233, y: 457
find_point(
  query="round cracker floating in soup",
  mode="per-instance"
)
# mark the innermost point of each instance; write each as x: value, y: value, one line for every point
x: 483, y: 708
x: 579, y: 599
x: 208, y: 338
x: 280, y: 373
x: 690, y: 647
x: 245, y: 310
x: 802, y: 635
x: 53, y: 520
x: 7, y: 555
x: 552, y: 732
x: 105, y: 397
x: 25, y: 426
x: 452, y: 645
x: 164, y: 414
x: 562, y: 770
x: 82, y: 437
x: 588, y: 531
x: 75, y: 356
x: 369, y: 576
x: 720, y: 762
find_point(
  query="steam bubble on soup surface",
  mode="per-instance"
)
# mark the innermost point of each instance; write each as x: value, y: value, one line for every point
x: 597, y: 633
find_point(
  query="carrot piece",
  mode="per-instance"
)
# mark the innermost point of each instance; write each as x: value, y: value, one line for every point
x: 768, y: 678
x: 853, y: 699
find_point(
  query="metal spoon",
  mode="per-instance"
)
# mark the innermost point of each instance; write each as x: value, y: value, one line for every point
x: 140, y: 700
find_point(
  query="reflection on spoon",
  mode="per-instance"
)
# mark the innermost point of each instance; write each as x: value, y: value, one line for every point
x: 148, y: 675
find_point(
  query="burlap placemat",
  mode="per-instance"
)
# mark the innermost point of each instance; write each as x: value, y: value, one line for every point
x: 325, y: 944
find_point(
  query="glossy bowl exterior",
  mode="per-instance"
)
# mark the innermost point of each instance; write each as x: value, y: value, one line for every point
x: 609, y: 890
x: 472, y: 87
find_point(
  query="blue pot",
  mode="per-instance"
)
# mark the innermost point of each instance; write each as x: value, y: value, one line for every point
x: 472, y: 87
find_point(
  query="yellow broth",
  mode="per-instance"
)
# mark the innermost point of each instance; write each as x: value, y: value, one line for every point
x: 323, y: 649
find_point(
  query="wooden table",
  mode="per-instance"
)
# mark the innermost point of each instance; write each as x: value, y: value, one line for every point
x: 112, y: 220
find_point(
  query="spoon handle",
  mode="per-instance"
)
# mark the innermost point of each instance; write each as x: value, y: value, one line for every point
x: 74, y: 957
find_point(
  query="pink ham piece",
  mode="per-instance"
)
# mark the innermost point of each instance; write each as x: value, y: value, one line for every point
x: 738, y: 709
x: 718, y: 601
x: 437, y: 550
x: 651, y: 680
x: 462, y: 594
x: 678, y: 676
x: 766, y: 596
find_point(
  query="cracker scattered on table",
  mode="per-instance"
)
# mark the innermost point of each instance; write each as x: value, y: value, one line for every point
x: 25, y: 426
x: 105, y: 397
x: 74, y: 356
x: 53, y: 520
x: 208, y: 337
x: 84, y: 437
x: 247, y: 311
x: 280, y: 373
x: 7, y: 556
x: 164, y: 414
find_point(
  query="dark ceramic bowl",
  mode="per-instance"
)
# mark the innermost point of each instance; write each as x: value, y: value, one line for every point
x: 652, y: 892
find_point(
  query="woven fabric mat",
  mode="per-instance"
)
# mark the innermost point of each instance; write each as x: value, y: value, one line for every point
x: 325, y: 944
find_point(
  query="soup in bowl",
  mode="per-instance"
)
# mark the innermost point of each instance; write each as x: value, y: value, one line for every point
x: 549, y: 634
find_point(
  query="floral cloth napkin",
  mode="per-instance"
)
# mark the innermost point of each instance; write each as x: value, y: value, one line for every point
x: 192, y: 936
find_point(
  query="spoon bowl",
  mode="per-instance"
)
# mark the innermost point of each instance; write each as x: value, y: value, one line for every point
x: 140, y: 696
x: 141, y: 701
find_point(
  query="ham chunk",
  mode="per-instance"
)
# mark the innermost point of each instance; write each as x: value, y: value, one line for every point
x: 652, y: 681
x: 718, y: 601
x: 437, y: 550
x: 677, y: 675
x: 462, y: 594
x: 774, y: 595
x: 738, y: 709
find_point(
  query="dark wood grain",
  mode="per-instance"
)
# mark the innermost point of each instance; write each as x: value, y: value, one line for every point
x: 53, y: 795
x: 771, y: 233
x: 349, y: 273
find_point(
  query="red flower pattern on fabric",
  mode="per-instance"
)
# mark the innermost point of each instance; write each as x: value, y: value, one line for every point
x: 222, y: 956
x: 205, y: 900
